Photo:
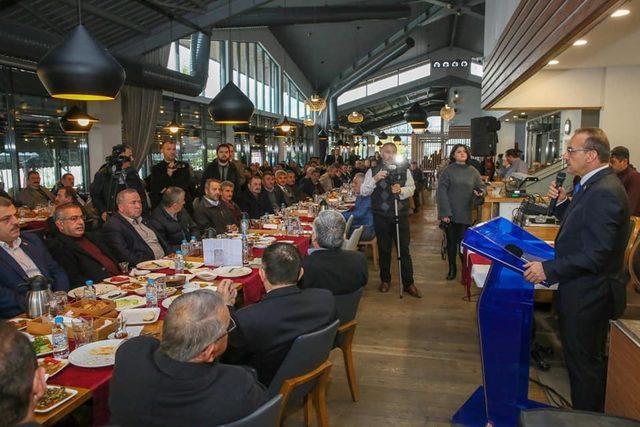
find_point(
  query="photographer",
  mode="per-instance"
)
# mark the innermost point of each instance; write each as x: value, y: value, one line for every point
x: 386, y: 182
x: 114, y: 176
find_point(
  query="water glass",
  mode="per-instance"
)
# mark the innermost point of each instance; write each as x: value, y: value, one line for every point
x: 82, y: 328
x: 121, y: 330
x: 124, y: 267
x: 161, y: 289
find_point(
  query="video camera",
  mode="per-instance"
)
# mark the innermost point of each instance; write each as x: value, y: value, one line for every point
x: 116, y: 159
x: 396, y: 172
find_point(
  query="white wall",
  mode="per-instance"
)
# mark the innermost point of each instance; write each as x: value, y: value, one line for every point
x: 506, y: 137
x: 576, y: 121
x: 496, y: 16
x: 468, y: 105
x: 104, y: 134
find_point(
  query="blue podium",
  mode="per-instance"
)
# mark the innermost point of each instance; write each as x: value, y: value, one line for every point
x: 505, y: 316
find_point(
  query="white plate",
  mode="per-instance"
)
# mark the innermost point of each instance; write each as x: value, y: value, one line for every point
x: 286, y: 241
x: 72, y: 393
x: 85, y: 356
x: 101, y: 288
x: 63, y: 364
x: 232, y: 271
x: 115, y: 294
x: 206, y: 275
x: 157, y: 264
x: 137, y: 316
x: 110, y: 280
x: 143, y: 291
x: 167, y: 301
x: 192, y: 265
x: 270, y: 226
x: 15, y: 321
x: 198, y: 285
x: 32, y: 338
x: 135, y: 302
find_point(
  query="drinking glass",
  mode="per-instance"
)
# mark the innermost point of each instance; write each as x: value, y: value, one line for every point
x: 121, y: 330
x: 124, y: 267
x: 161, y: 289
x: 82, y: 328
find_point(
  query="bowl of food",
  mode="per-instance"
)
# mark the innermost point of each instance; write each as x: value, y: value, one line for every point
x: 173, y: 280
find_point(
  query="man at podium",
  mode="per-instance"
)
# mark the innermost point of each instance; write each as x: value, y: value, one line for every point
x: 588, y: 264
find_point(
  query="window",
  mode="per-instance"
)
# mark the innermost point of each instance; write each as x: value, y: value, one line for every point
x: 180, y: 60
x: 255, y: 73
x: 415, y: 73
x: 293, y: 99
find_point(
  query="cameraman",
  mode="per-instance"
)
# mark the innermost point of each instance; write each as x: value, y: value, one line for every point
x: 386, y: 182
x: 114, y: 176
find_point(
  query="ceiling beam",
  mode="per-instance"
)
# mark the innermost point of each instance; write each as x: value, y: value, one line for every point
x: 455, y: 8
x: 472, y: 3
x: 215, y: 12
x: 172, y: 16
x: 105, y: 14
x: 40, y: 18
x: 454, y: 28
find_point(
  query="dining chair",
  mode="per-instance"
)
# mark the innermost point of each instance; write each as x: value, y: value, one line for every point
x: 347, y: 307
x: 347, y: 227
x: 351, y: 244
x: 633, y: 236
x: 265, y: 416
x: 633, y: 265
x: 374, y: 251
x: 304, y: 373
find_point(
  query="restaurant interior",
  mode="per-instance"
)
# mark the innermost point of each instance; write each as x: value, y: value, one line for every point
x: 331, y: 212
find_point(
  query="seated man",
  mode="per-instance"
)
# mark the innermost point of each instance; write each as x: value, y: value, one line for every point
x: 271, y: 195
x: 22, y: 382
x: 66, y: 195
x: 298, y: 195
x: 226, y: 194
x: 66, y: 180
x: 177, y: 381
x: 328, y: 266
x: 362, y: 213
x: 34, y: 194
x: 84, y: 256
x: 250, y: 200
x: 170, y: 219
x: 267, y: 329
x: 310, y: 184
x: 129, y: 235
x: 328, y: 179
x: 210, y: 212
x: 281, y: 181
x: 23, y: 255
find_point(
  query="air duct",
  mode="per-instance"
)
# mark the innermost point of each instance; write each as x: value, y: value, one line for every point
x: 366, y: 70
x: 25, y: 43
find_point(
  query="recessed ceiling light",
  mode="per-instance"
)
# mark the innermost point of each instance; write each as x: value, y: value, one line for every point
x: 515, y: 117
x: 580, y: 42
x: 506, y: 120
x: 620, y: 13
x: 523, y: 113
x: 554, y: 62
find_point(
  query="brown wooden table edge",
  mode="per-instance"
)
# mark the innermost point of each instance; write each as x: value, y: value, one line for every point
x: 50, y: 418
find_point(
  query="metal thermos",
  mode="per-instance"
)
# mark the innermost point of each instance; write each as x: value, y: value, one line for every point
x: 38, y: 296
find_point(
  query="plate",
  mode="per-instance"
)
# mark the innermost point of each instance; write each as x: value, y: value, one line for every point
x: 45, y: 348
x: 70, y: 393
x: 101, y: 288
x: 197, y: 285
x: 166, y: 303
x: 156, y: 264
x: 206, y: 275
x: 291, y: 242
x: 141, y: 316
x: 132, y: 301
x: 19, y: 322
x: 117, y: 280
x: 97, y: 354
x: 190, y: 265
x: 132, y: 287
x: 52, y: 365
x: 232, y: 271
x: 143, y: 291
x: 115, y: 294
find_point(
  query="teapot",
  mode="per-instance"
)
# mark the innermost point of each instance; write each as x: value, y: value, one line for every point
x: 38, y: 295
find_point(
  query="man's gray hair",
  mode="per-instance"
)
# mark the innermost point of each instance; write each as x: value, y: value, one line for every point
x: 193, y: 321
x: 359, y: 176
x: 281, y: 172
x: 225, y: 184
x: 329, y: 229
x: 121, y: 195
x: 172, y: 196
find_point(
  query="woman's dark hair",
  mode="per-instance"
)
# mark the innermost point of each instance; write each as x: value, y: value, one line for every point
x: 452, y: 157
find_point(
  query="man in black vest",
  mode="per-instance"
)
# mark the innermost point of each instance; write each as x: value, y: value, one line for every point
x: 384, y: 183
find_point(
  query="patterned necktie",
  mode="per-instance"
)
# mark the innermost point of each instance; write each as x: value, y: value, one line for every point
x: 577, y: 188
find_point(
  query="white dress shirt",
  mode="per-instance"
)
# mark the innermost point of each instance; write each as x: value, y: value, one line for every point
x: 20, y: 256
x: 148, y: 235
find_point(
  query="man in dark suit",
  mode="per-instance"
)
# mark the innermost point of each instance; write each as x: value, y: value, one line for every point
x: 130, y: 236
x: 334, y: 157
x: 210, y: 212
x: 22, y: 256
x: 170, y: 172
x: 177, y: 381
x: 281, y: 183
x: 222, y: 168
x: 310, y: 184
x: 328, y: 266
x: 588, y: 264
x: 266, y: 330
x: 171, y: 221
x: 250, y: 200
x: 84, y: 256
x: 271, y: 195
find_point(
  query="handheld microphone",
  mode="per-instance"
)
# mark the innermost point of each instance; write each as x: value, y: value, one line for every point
x: 560, y: 177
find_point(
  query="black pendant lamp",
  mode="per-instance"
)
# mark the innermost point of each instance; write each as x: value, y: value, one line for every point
x: 76, y: 121
x: 231, y: 106
x: 241, y: 130
x: 357, y: 132
x: 81, y: 68
x: 322, y: 136
x: 397, y: 138
x: 383, y: 136
x: 416, y: 116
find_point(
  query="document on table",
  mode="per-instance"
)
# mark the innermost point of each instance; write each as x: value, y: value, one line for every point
x: 222, y: 252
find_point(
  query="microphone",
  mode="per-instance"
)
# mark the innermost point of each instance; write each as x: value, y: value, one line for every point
x: 514, y: 249
x: 560, y: 177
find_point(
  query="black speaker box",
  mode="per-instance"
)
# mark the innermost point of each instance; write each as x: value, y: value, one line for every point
x: 484, y: 137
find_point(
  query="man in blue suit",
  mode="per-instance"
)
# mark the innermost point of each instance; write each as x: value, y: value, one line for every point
x: 22, y: 256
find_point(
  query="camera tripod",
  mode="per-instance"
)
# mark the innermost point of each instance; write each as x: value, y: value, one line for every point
x: 396, y: 220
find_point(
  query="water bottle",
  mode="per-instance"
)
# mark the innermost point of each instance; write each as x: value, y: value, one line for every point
x: 283, y: 209
x: 185, y: 248
x: 152, y: 293
x: 90, y: 290
x: 179, y: 263
x: 244, y: 225
x: 194, y: 246
x: 59, y: 339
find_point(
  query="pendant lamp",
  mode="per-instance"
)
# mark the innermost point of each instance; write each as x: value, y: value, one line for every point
x: 279, y: 133
x: 241, y: 130
x: 309, y: 122
x: 81, y: 68
x: 231, y: 106
x: 173, y: 127
x: 322, y: 135
x: 316, y: 103
x: 357, y: 131
x: 383, y: 136
x: 285, y: 125
x: 379, y: 144
x: 76, y: 121
x: 415, y: 115
x: 397, y: 138
x: 355, y: 117
x: 447, y: 113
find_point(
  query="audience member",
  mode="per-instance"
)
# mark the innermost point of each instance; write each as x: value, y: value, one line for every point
x: 211, y: 213
x: 66, y: 180
x: 334, y: 157
x: 310, y: 184
x: 298, y: 195
x: 171, y: 221
x: 226, y: 194
x: 516, y: 164
x: 222, y: 168
x: 362, y: 213
x: 250, y: 200
x: 22, y: 382
x: 272, y: 196
x: 128, y: 234
x: 629, y: 176
x: 34, y: 194
x: 177, y: 381
x: 418, y: 180
x: 288, y: 195
x: 170, y: 172
x: 83, y: 255
x: 267, y: 329
x: 328, y: 266
x: 327, y: 179
x: 23, y: 256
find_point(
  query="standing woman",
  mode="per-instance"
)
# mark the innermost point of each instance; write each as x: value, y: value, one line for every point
x: 458, y: 184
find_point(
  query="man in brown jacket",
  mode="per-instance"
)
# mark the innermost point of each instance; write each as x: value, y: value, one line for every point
x: 629, y: 176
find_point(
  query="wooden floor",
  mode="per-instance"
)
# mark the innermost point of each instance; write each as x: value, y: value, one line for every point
x: 417, y: 361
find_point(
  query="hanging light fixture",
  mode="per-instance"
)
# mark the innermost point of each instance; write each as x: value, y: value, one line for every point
x: 316, y: 103
x: 357, y: 131
x: 241, y: 130
x: 309, y: 122
x: 417, y: 129
x: 76, y: 121
x: 173, y: 127
x: 231, y: 106
x: 279, y: 133
x: 355, y: 117
x: 285, y: 125
x: 447, y: 113
x: 416, y: 116
x: 322, y: 135
x: 379, y: 143
x: 81, y: 68
x: 397, y: 138
x: 382, y: 136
